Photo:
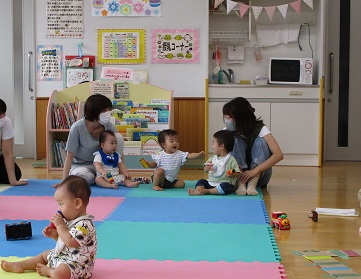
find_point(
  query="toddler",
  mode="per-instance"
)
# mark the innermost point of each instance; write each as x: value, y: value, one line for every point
x: 74, y: 233
x: 222, y: 168
x: 111, y: 171
x: 168, y: 161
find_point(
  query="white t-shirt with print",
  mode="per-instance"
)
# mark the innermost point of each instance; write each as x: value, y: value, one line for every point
x: 6, y: 132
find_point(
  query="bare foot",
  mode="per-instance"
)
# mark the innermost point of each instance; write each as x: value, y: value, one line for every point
x: 115, y: 186
x: 43, y: 270
x: 157, y: 188
x: 133, y: 184
x: 12, y: 267
x: 194, y: 192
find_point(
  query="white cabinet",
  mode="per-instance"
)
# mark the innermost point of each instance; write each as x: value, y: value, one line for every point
x: 291, y: 113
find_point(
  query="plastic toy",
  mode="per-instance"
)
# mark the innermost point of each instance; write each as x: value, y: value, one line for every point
x: 280, y: 221
x: 18, y: 231
x: 52, y: 224
x: 142, y: 180
x: 110, y: 178
x: 232, y: 171
x: 144, y: 163
x: 313, y: 215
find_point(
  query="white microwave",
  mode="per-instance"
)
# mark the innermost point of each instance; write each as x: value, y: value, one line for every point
x: 290, y: 70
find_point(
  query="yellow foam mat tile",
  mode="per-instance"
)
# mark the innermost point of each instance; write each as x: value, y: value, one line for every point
x: 10, y: 275
x: 4, y: 187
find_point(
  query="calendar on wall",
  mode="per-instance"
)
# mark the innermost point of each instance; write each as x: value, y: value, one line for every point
x: 121, y: 46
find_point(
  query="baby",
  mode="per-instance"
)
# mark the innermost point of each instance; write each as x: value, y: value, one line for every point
x: 111, y: 171
x: 74, y: 233
x: 168, y: 161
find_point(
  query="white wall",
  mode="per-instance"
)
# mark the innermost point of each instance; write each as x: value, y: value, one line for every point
x: 187, y: 80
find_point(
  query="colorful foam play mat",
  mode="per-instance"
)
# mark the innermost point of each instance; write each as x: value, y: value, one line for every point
x: 149, y: 234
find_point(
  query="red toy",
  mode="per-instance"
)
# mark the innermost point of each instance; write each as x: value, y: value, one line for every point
x: 51, y: 225
x: 280, y: 221
x: 232, y: 171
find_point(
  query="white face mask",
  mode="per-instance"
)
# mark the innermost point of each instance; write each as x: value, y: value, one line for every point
x: 230, y: 124
x: 2, y: 121
x: 104, y: 117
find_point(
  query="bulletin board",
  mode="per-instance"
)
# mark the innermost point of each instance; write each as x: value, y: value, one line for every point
x: 121, y: 46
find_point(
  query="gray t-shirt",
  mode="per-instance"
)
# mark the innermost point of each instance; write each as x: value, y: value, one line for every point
x: 81, y: 142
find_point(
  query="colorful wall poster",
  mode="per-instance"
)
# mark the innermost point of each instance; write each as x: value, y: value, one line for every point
x: 49, y: 62
x: 75, y: 76
x: 175, y: 46
x: 64, y: 19
x: 128, y: 8
x: 121, y: 46
x: 112, y: 73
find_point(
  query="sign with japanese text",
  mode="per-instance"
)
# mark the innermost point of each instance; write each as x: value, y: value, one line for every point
x: 64, y: 19
x: 49, y: 62
x: 110, y: 73
x: 175, y: 46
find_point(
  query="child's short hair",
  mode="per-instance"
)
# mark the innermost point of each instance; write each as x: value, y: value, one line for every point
x: 164, y: 133
x: 103, y: 135
x: 226, y: 138
x: 2, y: 106
x: 78, y: 187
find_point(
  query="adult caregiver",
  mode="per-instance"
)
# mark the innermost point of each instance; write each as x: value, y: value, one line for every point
x: 255, y: 149
x: 10, y: 172
x: 83, y: 139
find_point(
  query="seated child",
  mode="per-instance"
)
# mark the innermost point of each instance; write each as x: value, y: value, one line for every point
x: 74, y: 233
x: 168, y: 161
x: 222, y: 168
x: 111, y: 171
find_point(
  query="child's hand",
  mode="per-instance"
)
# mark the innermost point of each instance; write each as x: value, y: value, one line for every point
x: 201, y: 154
x: 50, y: 232
x: 57, y: 219
x: 127, y: 175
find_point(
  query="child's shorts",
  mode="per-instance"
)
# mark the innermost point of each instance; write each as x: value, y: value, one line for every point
x: 166, y: 184
x: 77, y: 271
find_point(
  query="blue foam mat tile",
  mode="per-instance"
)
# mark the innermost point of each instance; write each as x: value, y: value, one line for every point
x: 40, y: 187
x: 190, y: 210
x: 30, y: 247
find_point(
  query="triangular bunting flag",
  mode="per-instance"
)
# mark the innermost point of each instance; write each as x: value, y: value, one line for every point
x: 296, y: 6
x: 270, y: 11
x: 283, y: 9
x: 256, y: 11
x: 309, y: 3
x: 243, y: 8
x: 230, y: 6
x: 217, y: 3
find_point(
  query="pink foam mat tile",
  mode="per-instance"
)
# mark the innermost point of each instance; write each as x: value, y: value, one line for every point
x: 106, y: 269
x: 42, y: 208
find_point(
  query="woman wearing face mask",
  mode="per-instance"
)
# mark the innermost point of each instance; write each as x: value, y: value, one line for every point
x: 255, y: 149
x: 10, y: 172
x: 83, y: 139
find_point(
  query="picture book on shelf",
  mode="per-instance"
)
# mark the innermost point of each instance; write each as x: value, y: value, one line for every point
x: 149, y: 113
x: 131, y: 131
x: 150, y: 144
x: 123, y: 105
x: 132, y: 148
x: 138, y: 135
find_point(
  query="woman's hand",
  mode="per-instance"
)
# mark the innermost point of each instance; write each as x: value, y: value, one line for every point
x: 247, y: 175
x: 20, y: 182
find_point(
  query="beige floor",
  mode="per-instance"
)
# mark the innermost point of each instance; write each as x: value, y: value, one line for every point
x: 296, y: 191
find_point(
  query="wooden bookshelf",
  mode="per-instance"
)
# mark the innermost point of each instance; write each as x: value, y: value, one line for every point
x: 141, y: 93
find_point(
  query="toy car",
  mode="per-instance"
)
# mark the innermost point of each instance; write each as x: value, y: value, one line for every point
x: 280, y: 221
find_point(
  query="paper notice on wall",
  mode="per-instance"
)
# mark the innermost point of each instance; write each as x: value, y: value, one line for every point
x: 64, y: 19
x: 105, y: 88
x: 112, y: 73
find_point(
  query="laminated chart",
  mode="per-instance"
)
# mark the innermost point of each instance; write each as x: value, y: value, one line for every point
x: 121, y: 46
